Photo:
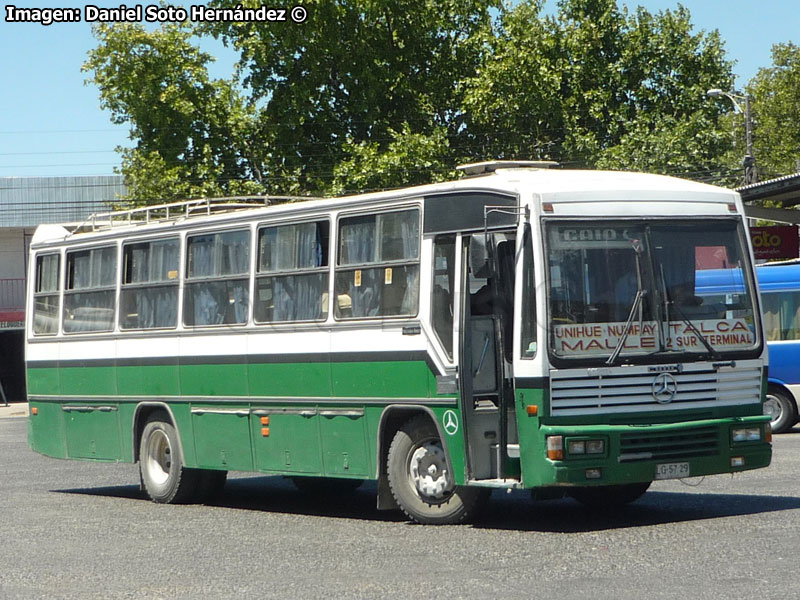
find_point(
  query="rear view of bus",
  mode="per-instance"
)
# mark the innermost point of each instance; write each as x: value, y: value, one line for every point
x: 645, y: 379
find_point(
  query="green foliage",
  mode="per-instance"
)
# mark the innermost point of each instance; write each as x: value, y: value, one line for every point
x: 602, y: 88
x: 194, y: 136
x: 411, y: 158
x: 355, y: 72
x: 776, y: 112
x: 369, y: 94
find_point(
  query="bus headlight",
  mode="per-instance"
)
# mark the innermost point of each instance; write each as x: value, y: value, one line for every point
x: 579, y: 447
x: 746, y: 434
x: 595, y: 446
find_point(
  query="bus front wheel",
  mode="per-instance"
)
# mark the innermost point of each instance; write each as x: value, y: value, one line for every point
x: 781, y: 410
x: 163, y: 475
x: 420, y: 481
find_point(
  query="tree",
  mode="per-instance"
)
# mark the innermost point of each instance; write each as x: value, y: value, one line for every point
x: 776, y: 108
x: 354, y: 74
x: 194, y: 136
x: 596, y: 86
x: 368, y: 94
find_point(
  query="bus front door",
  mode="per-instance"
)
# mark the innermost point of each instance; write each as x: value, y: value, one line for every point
x: 485, y: 367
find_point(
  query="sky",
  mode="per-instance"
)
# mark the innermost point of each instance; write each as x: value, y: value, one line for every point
x: 51, y: 122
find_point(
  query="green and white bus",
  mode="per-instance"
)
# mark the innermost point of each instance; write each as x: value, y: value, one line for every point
x: 523, y: 327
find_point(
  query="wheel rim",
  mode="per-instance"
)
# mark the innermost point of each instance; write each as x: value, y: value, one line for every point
x: 428, y: 474
x: 159, y: 457
x: 772, y: 407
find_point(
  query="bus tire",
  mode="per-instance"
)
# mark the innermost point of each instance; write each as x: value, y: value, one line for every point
x: 163, y: 475
x: 420, y: 481
x: 781, y: 409
x: 609, y: 496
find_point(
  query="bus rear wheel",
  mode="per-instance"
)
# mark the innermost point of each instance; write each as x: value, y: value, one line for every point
x: 163, y: 475
x: 421, y: 482
x: 781, y: 410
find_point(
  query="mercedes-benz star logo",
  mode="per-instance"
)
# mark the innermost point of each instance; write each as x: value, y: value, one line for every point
x: 664, y: 388
x: 450, y: 422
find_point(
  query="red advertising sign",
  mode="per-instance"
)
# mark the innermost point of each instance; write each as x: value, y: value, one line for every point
x: 775, y: 242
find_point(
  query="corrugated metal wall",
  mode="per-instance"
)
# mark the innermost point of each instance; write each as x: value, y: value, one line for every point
x: 31, y: 201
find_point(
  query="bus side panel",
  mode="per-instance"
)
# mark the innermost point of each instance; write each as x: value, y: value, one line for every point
x: 286, y: 440
x: 43, y: 380
x: 93, y: 431
x: 344, y: 435
x: 382, y: 379
x: 142, y: 381
x: 198, y: 378
x: 46, y: 429
x: 82, y: 379
x: 784, y: 362
x: 400, y: 381
x: 222, y: 436
x: 88, y: 390
x: 532, y: 450
x: 290, y: 380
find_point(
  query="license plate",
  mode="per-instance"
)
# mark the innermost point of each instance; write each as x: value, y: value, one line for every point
x: 672, y: 470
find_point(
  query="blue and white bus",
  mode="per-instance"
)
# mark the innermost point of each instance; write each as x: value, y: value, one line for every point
x: 780, y: 306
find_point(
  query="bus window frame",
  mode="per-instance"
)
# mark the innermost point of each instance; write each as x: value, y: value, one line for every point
x: 58, y: 292
x: 338, y: 268
x: 115, y: 244
x: 644, y: 359
x: 178, y: 282
x: 187, y: 282
x: 256, y: 274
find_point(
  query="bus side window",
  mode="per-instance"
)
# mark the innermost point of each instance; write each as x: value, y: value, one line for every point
x: 528, y: 337
x: 444, y: 256
x: 149, y: 296
x: 781, y: 315
x: 377, y: 274
x: 90, y: 294
x: 292, y: 273
x: 217, y: 278
x: 45, y: 307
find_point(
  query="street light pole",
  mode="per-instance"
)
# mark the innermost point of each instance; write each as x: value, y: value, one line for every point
x: 749, y: 160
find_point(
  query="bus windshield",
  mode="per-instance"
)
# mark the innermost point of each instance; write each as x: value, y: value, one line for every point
x: 619, y: 290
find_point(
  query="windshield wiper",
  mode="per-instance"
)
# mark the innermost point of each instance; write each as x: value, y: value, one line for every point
x: 713, y: 352
x: 637, y: 301
x: 638, y: 248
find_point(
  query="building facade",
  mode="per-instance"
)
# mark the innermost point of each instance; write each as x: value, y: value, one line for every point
x: 25, y: 203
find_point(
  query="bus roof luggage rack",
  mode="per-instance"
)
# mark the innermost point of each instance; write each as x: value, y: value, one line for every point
x: 174, y: 211
x: 490, y: 166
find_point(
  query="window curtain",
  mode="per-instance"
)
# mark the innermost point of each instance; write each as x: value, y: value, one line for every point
x: 358, y: 247
x: 410, y: 233
x: 299, y: 297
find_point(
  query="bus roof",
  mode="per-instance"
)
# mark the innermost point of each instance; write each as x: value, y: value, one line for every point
x: 535, y: 187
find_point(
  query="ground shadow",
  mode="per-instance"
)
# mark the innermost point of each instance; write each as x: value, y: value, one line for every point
x: 515, y: 511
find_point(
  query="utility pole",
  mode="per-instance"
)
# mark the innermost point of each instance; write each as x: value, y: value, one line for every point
x: 749, y: 160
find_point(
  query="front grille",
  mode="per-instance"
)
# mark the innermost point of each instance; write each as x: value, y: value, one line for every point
x: 619, y: 390
x: 668, y: 445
